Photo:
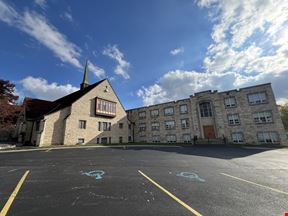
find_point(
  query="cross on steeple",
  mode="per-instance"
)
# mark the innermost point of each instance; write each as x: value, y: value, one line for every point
x: 85, y: 82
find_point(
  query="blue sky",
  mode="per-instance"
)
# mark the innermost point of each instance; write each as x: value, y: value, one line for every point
x: 152, y: 51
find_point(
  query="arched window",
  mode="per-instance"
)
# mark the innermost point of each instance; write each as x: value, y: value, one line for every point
x: 205, y: 109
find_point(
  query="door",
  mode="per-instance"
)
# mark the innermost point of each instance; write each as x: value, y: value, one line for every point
x: 209, y: 132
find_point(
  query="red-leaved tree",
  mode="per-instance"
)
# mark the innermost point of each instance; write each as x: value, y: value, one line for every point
x: 9, y: 110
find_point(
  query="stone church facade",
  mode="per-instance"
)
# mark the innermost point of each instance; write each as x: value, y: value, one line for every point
x: 94, y: 114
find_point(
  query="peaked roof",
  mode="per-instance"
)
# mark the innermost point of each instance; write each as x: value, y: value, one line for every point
x: 36, y: 108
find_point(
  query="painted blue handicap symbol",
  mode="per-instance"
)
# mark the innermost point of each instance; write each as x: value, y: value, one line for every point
x: 97, y: 174
x: 191, y: 175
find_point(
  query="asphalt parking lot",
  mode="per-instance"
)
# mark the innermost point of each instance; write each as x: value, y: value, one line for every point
x: 199, y: 180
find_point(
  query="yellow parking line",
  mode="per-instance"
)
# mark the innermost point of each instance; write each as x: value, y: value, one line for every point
x: 13, y: 195
x: 171, y: 195
x: 250, y: 182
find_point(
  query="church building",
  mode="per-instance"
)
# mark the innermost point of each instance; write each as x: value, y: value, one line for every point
x: 94, y: 114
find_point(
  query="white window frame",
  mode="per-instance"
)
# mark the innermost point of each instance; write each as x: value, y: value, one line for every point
x: 155, y: 126
x: 184, y: 123
x: 82, y: 124
x: 171, y: 138
x: 185, y: 110
x: 168, y: 111
x: 156, y: 139
x: 152, y: 113
x: 268, y: 137
x: 169, y: 125
x: 142, y: 127
x: 263, y: 117
x: 185, y: 140
x: 230, y: 102
x: 142, y: 115
x: 233, y: 119
x: 257, y: 98
x: 81, y: 141
x: 237, y: 137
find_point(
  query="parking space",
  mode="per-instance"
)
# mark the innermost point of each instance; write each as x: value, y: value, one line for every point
x: 113, y: 181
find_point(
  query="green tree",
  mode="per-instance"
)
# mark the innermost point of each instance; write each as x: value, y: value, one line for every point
x: 284, y: 115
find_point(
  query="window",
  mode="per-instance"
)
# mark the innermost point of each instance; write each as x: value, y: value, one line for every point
x: 183, y: 109
x: 262, y: 117
x: 121, y: 125
x: 105, y: 107
x: 184, y: 123
x: 129, y: 138
x: 82, y: 124
x: 230, y: 102
x: 129, y: 126
x: 110, y: 140
x: 37, y: 125
x: 171, y: 138
x: 237, y: 137
x: 80, y: 141
x: 257, y: 98
x: 104, y: 140
x: 142, y: 127
x: 155, y: 126
x: 142, y: 115
x: 120, y: 139
x: 169, y: 125
x: 154, y: 113
x: 205, y: 109
x: 98, y: 140
x: 142, y: 139
x: 233, y: 119
x: 156, y: 139
x: 169, y: 111
x: 268, y: 137
x: 105, y: 126
x: 186, y: 138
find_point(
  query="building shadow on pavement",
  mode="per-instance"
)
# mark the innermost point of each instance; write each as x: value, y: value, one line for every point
x: 213, y: 151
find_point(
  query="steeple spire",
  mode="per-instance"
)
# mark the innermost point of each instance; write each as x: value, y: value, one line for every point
x: 85, y: 83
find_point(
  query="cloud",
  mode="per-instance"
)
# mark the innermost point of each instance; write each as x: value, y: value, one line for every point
x: 67, y: 16
x: 99, y: 72
x: 249, y: 47
x: 177, y: 51
x: 40, y: 88
x: 41, y: 3
x: 7, y: 13
x: 122, y: 67
x: 39, y: 28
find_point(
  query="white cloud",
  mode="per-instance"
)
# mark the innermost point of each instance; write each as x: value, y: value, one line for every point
x: 41, y: 3
x: 7, y: 13
x: 249, y: 47
x: 122, y: 67
x: 39, y: 28
x: 99, y: 72
x: 177, y: 51
x: 40, y: 88
x: 67, y: 16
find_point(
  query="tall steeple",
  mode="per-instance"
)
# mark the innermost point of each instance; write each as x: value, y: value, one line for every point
x: 85, y: 83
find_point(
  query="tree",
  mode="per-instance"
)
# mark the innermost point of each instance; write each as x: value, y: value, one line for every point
x: 7, y: 90
x: 9, y: 110
x: 284, y: 115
